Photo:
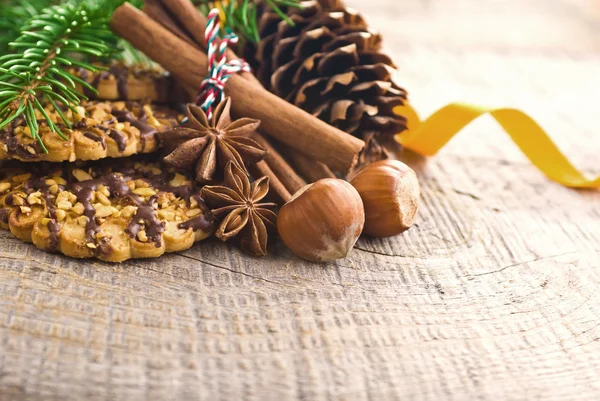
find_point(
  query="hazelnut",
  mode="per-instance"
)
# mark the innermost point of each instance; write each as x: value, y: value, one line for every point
x: 81, y: 175
x: 390, y: 192
x: 322, y: 221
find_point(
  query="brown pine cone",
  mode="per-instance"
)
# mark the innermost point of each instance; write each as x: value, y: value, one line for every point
x: 330, y: 64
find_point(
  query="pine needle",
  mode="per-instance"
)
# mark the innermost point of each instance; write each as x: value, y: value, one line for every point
x: 241, y: 15
x: 36, y: 66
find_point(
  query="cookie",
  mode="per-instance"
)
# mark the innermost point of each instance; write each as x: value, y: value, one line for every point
x: 121, y: 82
x: 107, y: 210
x: 99, y: 129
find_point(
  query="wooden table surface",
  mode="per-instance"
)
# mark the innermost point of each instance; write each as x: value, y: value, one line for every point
x: 493, y: 295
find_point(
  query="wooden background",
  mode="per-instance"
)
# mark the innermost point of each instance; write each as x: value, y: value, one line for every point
x: 492, y: 295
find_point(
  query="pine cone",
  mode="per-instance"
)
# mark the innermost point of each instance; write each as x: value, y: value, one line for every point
x: 331, y: 65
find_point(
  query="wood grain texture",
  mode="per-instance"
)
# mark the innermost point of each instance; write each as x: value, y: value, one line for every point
x: 493, y: 295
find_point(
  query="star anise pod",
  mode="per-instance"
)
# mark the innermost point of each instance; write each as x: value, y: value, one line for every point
x: 208, y: 147
x: 237, y: 203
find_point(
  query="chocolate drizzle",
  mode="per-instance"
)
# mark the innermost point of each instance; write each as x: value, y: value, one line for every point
x: 14, y: 146
x: 85, y: 189
x: 146, y: 130
x: 81, y: 124
x: 121, y: 74
x: 40, y: 184
x: 146, y: 218
x: 204, y: 221
x: 119, y: 139
x: 115, y: 135
x: 96, y: 138
x: 53, y: 226
x: 9, y: 199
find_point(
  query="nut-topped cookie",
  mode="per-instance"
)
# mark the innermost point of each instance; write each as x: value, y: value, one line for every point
x: 126, y: 82
x: 114, y: 213
x: 99, y: 129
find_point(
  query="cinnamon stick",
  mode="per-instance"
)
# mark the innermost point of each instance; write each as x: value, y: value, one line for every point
x: 172, y: 15
x: 280, y: 120
x: 276, y: 188
x: 161, y: 14
x: 188, y: 21
x: 286, y: 174
x: 311, y: 170
x: 177, y: 15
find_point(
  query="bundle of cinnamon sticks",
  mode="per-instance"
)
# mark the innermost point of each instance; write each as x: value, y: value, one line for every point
x: 171, y: 32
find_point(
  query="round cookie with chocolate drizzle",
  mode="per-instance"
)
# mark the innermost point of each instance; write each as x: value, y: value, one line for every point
x: 134, y: 210
x: 119, y: 81
x: 98, y: 129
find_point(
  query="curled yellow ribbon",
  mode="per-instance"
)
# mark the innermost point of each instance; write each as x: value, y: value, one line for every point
x: 429, y: 136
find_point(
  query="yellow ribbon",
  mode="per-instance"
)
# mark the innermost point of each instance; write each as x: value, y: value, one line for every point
x: 429, y: 136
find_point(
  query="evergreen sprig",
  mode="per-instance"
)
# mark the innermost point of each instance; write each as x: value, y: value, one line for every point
x: 57, y: 38
x: 241, y: 15
x: 14, y: 14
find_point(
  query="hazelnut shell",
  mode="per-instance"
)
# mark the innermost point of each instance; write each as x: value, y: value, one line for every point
x: 322, y: 221
x: 390, y: 192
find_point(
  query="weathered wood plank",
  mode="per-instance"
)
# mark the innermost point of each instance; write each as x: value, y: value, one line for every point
x: 492, y: 295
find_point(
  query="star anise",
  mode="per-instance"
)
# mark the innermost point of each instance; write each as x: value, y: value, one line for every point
x: 237, y: 203
x: 208, y: 147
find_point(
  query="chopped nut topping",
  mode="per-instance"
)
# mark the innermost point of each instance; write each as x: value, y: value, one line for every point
x: 78, y: 208
x: 64, y: 205
x: 178, y: 180
x: 141, y: 184
x: 34, y: 198
x: 82, y: 221
x: 60, y: 215
x: 18, y: 200
x: 22, y: 177
x: 81, y: 175
x: 193, y: 212
x: 102, y: 198
x: 63, y: 196
x: 104, y: 190
x: 144, y: 191
x: 104, y: 211
x: 60, y: 181
x: 4, y: 186
x: 128, y: 211
x: 167, y: 215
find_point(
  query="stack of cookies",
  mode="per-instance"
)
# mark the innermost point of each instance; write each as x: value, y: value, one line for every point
x: 102, y: 192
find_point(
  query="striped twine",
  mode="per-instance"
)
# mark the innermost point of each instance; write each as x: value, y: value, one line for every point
x: 211, y: 91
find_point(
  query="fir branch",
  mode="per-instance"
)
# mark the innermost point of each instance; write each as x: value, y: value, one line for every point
x: 14, y: 14
x: 50, y: 42
x: 241, y: 15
